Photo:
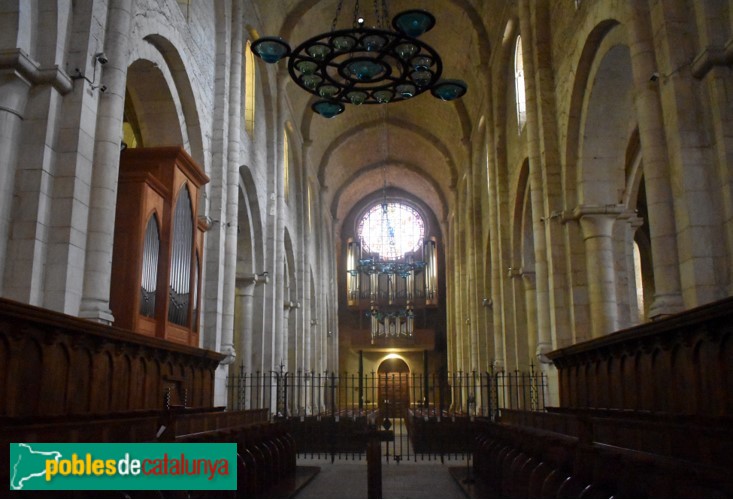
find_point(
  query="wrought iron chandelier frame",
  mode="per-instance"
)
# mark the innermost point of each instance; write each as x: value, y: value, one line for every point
x: 410, y: 67
x: 363, y: 65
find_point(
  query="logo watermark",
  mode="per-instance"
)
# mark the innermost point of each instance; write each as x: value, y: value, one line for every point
x: 123, y: 466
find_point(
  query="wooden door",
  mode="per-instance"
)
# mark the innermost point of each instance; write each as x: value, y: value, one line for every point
x: 394, y: 388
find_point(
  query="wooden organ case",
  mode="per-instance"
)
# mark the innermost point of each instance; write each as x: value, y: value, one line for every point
x: 158, y: 245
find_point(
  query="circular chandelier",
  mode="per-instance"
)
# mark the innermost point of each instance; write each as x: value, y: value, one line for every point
x: 364, y: 65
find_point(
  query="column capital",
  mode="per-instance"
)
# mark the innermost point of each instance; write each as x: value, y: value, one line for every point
x: 229, y: 352
x: 634, y: 221
x: 529, y: 278
x: 607, y: 210
x: 20, y: 62
x: 514, y: 272
x: 250, y: 280
x: 597, y: 220
x: 541, y: 353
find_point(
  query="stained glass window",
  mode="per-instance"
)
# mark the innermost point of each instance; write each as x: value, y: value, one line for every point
x: 391, y: 230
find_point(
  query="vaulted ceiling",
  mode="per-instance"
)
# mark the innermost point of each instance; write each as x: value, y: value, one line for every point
x: 422, y: 145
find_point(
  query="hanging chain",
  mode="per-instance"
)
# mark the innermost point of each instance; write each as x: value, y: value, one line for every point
x: 356, y: 14
x: 335, y: 18
x: 385, y: 218
x: 377, y: 18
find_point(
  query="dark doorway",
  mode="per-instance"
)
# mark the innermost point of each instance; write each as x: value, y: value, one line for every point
x: 394, y: 388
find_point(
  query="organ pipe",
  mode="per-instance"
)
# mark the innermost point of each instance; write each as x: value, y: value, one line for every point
x: 181, y: 251
x: 148, y: 285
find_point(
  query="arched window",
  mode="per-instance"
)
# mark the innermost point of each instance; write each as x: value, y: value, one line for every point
x: 249, y: 89
x: 310, y: 208
x: 638, y: 278
x: 519, y: 85
x: 391, y: 230
x: 286, y: 165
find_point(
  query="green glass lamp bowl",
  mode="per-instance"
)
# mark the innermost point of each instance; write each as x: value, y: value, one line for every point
x: 357, y: 97
x: 365, y: 70
x: 328, y: 108
x: 406, y: 90
x: 328, y: 91
x: 270, y: 48
x: 365, y: 65
x: 413, y: 22
x: 448, y: 90
x: 383, y: 96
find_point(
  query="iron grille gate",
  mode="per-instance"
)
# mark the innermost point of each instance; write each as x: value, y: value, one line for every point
x: 431, y: 414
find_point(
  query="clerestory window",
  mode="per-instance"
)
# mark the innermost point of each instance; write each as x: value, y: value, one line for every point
x: 519, y: 86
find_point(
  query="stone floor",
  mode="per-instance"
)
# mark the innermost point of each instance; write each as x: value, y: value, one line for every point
x: 422, y: 479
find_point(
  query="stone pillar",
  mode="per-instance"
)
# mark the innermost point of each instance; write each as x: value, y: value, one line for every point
x: 245, y: 296
x: 633, y: 223
x: 597, y: 224
x: 277, y: 211
x: 536, y: 190
x: 307, y: 326
x: 14, y: 90
x: 496, y: 299
x: 454, y: 326
x: 232, y: 187
x: 288, y: 307
x: 698, y: 221
x: 103, y: 199
x: 530, y: 304
x: 512, y: 346
x: 660, y: 203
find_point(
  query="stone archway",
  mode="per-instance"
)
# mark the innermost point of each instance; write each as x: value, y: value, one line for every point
x: 394, y: 387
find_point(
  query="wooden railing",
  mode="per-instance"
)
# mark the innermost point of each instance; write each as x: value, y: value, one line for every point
x: 55, y: 364
x: 64, y: 379
x: 266, y: 455
x: 530, y: 461
x: 645, y: 412
x: 272, y: 447
x: 682, y: 364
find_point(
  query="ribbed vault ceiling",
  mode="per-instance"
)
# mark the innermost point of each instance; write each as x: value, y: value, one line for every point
x: 421, y: 145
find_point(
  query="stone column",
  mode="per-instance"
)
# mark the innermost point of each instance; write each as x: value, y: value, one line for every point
x: 232, y: 186
x: 496, y: 298
x: 633, y: 223
x: 597, y: 224
x: 28, y: 183
x: 512, y: 346
x: 536, y: 189
x: 245, y: 290
x: 530, y: 304
x: 660, y: 203
x: 288, y: 307
x: 103, y: 199
x: 14, y: 90
x: 277, y: 211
